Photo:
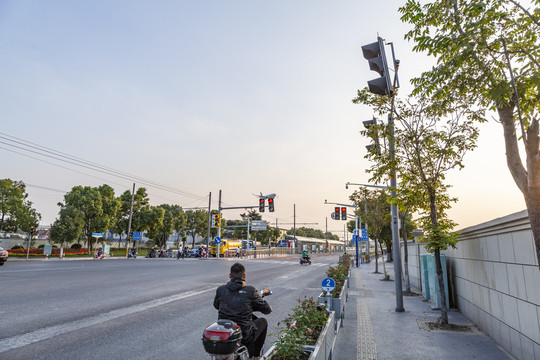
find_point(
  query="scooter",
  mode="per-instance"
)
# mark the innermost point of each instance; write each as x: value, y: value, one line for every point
x: 305, y: 261
x: 223, y: 339
x: 132, y: 254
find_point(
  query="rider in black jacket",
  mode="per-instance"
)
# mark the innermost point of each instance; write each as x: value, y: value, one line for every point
x: 237, y: 301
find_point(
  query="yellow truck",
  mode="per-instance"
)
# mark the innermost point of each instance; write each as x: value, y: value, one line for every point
x: 226, y: 246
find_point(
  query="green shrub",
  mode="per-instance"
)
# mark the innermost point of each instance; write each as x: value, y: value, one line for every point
x: 17, y: 247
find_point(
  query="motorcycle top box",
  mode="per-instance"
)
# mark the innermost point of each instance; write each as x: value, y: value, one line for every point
x: 222, y: 337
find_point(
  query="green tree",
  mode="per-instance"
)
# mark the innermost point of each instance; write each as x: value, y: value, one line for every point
x: 173, y: 218
x: 153, y: 219
x: 488, y: 55
x: 196, y: 224
x: 140, y: 203
x: 97, y: 208
x: 68, y: 227
x: 377, y: 217
x: 16, y: 210
x: 427, y: 147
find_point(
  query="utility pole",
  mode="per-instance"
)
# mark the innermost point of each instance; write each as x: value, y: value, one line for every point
x: 219, y: 225
x: 294, y: 228
x: 326, y: 234
x: 209, y: 221
x: 129, y: 222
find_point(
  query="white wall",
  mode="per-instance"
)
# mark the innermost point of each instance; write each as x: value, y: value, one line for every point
x: 496, y: 281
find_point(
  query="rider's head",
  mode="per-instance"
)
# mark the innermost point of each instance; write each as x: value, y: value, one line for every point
x: 238, y: 271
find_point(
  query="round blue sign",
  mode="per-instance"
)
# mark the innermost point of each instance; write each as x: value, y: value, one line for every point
x: 217, y: 239
x: 328, y: 284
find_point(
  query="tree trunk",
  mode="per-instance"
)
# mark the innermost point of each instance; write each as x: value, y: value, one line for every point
x: 405, y: 255
x: 527, y: 180
x: 389, y: 252
x: 444, y: 309
x: 376, y: 259
x: 533, y: 207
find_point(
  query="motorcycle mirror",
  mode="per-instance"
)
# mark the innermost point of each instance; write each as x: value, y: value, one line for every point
x: 265, y: 292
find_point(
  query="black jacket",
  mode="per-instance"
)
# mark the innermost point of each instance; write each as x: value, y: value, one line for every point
x: 237, y: 301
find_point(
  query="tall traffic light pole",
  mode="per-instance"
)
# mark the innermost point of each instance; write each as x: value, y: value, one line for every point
x: 376, y: 56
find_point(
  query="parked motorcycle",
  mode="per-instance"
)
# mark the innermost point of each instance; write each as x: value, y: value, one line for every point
x: 132, y: 254
x: 223, y: 339
x: 151, y: 253
x: 305, y: 261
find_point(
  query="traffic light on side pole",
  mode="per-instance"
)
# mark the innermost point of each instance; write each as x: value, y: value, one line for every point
x: 371, y: 127
x: 270, y: 204
x: 376, y: 57
x: 343, y: 213
x: 216, y: 221
x: 261, y: 204
x: 336, y: 213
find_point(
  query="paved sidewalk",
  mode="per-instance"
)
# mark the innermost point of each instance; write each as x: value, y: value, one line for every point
x: 372, y: 329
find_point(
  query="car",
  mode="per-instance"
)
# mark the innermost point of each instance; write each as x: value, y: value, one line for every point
x: 3, y: 256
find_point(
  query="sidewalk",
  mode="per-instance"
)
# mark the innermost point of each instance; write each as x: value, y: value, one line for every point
x: 372, y: 329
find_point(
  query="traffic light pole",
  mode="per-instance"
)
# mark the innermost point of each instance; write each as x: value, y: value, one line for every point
x: 209, y: 221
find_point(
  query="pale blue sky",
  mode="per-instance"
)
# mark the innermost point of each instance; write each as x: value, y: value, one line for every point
x: 243, y: 96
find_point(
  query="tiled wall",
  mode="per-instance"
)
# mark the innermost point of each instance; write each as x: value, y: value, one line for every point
x: 496, y: 280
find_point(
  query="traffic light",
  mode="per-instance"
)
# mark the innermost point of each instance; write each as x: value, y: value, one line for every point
x: 371, y: 126
x: 343, y: 213
x: 271, y: 204
x: 32, y: 231
x: 261, y: 204
x: 216, y: 221
x: 336, y: 213
x: 376, y: 57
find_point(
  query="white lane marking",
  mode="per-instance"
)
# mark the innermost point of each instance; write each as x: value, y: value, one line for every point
x: 18, y: 341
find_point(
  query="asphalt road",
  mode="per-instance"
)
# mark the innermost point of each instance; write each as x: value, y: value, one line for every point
x: 132, y: 309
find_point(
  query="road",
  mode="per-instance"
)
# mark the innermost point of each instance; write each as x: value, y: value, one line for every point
x: 136, y: 309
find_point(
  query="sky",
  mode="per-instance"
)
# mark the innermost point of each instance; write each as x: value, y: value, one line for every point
x: 201, y: 96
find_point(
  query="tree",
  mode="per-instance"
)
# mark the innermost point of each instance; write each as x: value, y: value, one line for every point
x: 140, y: 203
x: 173, y: 218
x: 196, y: 223
x: 377, y: 216
x: 68, y: 227
x: 16, y: 211
x: 427, y: 147
x: 96, y: 207
x: 153, y: 219
x: 488, y: 53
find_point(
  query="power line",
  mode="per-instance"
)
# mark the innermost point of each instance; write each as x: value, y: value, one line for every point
x: 27, y: 146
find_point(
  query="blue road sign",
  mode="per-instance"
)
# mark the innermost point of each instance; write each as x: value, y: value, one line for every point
x: 354, y: 239
x: 328, y: 284
x: 365, y: 236
x: 217, y: 239
x: 355, y: 232
x: 97, y: 234
x: 137, y: 236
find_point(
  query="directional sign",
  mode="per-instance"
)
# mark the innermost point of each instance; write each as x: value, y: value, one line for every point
x: 328, y: 284
x: 355, y: 232
x: 217, y: 239
x: 332, y: 216
x: 354, y: 239
x: 96, y: 235
x: 365, y: 236
x: 137, y: 236
x: 258, y: 225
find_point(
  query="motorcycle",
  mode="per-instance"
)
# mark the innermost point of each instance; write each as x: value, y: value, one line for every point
x: 305, y: 261
x: 223, y: 339
x: 132, y: 254
x: 151, y: 253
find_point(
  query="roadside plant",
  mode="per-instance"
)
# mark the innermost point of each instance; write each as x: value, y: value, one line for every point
x: 339, y: 273
x: 302, y: 327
